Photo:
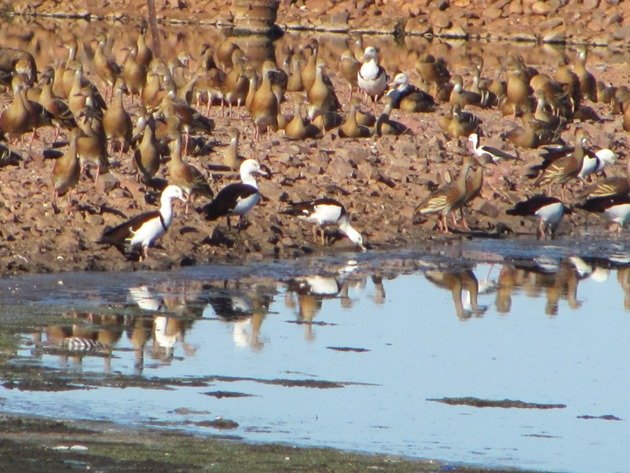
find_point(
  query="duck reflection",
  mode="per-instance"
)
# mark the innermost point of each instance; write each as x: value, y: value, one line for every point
x: 311, y: 292
x: 167, y: 331
x: 556, y: 279
x: 464, y: 287
x: 89, y: 334
x: 245, y: 306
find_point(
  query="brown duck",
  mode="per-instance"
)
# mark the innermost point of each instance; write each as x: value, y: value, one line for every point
x: 448, y: 198
x: 117, y: 122
x: 67, y: 169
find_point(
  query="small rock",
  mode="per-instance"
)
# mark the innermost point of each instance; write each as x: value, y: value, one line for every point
x: 486, y: 208
x: 492, y: 13
x: 542, y: 8
x: 622, y: 33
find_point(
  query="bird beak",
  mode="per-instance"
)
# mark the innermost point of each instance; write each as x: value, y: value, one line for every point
x: 363, y: 249
x: 264, y: 172
x: 184, y: 197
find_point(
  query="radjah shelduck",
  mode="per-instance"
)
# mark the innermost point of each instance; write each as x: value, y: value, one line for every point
x: 145, y: 229
x: 549, y: 211
x: 488, y: 153
x: 615, y: 207
x: 372, y: 78
x: 237, y: 198
x: 323, y: 212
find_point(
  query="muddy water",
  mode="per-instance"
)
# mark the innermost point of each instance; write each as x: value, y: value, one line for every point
x: 488, y: 352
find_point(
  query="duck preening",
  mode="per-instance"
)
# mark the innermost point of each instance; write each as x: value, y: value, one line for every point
x: 145, y: 229
x: 549, y: 211
x: 324, y: 212
x: 615, y: 207
x: 237, y: 198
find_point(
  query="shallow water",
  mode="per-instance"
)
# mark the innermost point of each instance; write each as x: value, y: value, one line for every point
x: 348, y: 351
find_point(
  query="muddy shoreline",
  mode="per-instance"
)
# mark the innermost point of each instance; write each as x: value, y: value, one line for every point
x: 30, y: 444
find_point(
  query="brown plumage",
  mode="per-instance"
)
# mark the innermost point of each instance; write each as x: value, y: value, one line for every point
x: 294, y: 65
x: 185, y: 175
x: 66, y: 170
x: 562, y: 170
x: 15, y: 120
x: 386, y: 126
x: 459, y: 123
x: 462, y: 97
x: 349, y: 67
x: 105, y: 67
x: 309, y: 70
x: 610, y: 186
x: 190, y: 119
x: 146, y: 156
x: 264, y: 106
x: 350, y: 128
x: 144, y: 54
x: 134, y: 73
x: 117, y: 122
x: 433, y: 71
x: 447, y: 198
x: 588, y: 84
x: 60, y: 113
x: 92, y: 143
x: 232, y: 159
x: 298, y: 128
x: 518, y: 90
x: 321, y: 94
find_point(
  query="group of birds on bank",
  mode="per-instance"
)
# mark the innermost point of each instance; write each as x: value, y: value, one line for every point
x: 172, y: 104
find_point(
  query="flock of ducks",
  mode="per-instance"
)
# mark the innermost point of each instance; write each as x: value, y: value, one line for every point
x: 169, y: 104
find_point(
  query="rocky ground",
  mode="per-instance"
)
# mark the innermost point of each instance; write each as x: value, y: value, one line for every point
x: 602, y: 22
x: 379, y: 179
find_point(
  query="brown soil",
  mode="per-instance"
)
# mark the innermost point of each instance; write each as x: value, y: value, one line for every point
x: 380, y: 180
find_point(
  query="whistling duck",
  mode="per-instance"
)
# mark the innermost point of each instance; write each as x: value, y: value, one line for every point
x: 459, y: 123
x: 349, y: 67
x: 67, y: 169
x: 134, y: 73
x: 15, y: 120
x: 298, y: 128
x: 116, y: 120
x: 146, y: 155
x: 350, y: 128
x: 322, y: 95
x: 294, y: 65
x: 60, y: 113
x: 105, y: 67
x: 185, y: 175
x: 462, y: 97
x: 447, y: 198
x: 386, y: 126
x: 588, y: 84
x: 564, y: 169
x: 264, y: 106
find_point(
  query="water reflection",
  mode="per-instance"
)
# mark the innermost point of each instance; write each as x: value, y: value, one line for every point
x: 352, y: 326
x: 45, y: 38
